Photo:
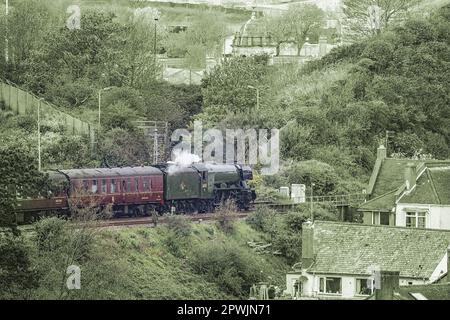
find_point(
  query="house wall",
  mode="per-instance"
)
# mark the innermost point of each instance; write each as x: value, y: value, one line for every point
x: 310, y: 287
x: 438, y: 217
x: 367, y: 218
x: 249, y: 51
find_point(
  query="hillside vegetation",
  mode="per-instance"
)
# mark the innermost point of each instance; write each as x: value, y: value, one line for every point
x: 334, y: 112
x: 175, y: 261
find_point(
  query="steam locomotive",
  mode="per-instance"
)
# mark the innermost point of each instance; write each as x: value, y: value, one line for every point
x: 140, y: 191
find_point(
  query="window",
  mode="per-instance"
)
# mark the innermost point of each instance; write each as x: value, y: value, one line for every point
x: 364, y: 286
x: 380, y: 218
x: 375, y: 218
x: 94, y: 188
x: 136, y: 184
x: 129, y: 185
x: 384, y: 218
x: 103, y: 185
x: 146, y: 184
x: 113, y: 186
x: 416, y: 219
x: 85, y: 185
x: 330, y: 285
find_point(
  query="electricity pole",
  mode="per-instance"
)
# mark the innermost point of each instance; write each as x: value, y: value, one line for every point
x: 39, y: 134
x: 155, y: 147
x: 7, y: 32
x: 257, y: 96
x: 154, y: 41
x: 312, y: 199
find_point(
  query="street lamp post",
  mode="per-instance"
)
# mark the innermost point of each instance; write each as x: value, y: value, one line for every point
x: 154, y: 41
x: 312, y: 201
x: 100, y: 106
x: 257, y: 95
x: 39, y: 133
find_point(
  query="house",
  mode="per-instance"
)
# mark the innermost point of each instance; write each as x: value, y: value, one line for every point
x: 254, y: 39
x: 408, y: 193
x: 343, y: 260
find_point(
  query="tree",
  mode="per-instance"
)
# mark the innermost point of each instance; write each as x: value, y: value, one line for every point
x: 297, y: 24
x: 225, y: 89
x: 20, y: 179
x: 369, y: 17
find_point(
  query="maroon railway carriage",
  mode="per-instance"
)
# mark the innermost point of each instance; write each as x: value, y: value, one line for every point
x: 131, y: 190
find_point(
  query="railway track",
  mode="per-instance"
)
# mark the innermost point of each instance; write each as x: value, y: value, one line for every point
x: 151, y: 222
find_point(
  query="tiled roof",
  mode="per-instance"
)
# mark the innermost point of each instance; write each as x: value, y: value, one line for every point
x: 423, y: 192
x: 433, y: 186
x: 430, y: 291
x: 391, y: 175
x: 441, y: 181
x: 347, y: 248
x: 380, y: 203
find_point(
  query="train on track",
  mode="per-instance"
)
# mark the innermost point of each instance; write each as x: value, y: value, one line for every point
x: 140, y: 191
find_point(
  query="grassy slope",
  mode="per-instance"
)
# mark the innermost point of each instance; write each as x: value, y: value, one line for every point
x: 154, y: 273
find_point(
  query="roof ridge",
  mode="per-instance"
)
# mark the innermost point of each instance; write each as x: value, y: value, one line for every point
x: 379, y: 226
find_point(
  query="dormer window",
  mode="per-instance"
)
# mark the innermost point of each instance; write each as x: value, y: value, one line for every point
x: 417, y: 219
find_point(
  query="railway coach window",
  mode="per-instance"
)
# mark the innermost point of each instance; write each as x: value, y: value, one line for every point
x: 94, y: 186
x: 103, y: 185
x: 136, y: 184
x: 113, y: 186
x: 85, y: 185
x: 146, y: 184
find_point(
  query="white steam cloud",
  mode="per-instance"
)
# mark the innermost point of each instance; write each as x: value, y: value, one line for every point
x: 181, y: 159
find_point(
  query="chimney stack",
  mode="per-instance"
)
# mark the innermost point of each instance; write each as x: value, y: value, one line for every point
x: 381, y: 153
x: 307, y: 244
x: 410, y: 176
x: 389, y: 283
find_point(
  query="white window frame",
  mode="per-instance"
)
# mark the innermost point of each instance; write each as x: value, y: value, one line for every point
x: 415, y: 215
x: 371, y: 287
x: 376, y: 218
x: 325, y: 286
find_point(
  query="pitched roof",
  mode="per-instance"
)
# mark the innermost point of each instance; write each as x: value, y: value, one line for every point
x: 348, y: 248
x: 381, y: 203
x: 433, y: 186
x: 391, y: 175
x: 430, y: 291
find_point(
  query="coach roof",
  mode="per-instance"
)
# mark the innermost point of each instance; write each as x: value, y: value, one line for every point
x: 113, y: 172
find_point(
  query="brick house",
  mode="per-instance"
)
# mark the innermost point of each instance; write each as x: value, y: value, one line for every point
x: 339, y: 259
x: 408, y: 193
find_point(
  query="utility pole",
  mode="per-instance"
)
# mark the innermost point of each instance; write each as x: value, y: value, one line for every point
x: 154, y: 42
x: 257, y: 95
x: 155, y: 147
x: 312, y: 202
x: 39, y: 134
x: 388, y: 134
x: 7, y: 32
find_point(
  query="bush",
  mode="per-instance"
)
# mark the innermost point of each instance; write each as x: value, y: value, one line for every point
x: 226, y: 214
x: 262, y: 219
x: 227, y: 265
x: 178, y: 232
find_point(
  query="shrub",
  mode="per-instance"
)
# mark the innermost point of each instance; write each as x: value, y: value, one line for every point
x: 226, y: 214
x: 229, y: 266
